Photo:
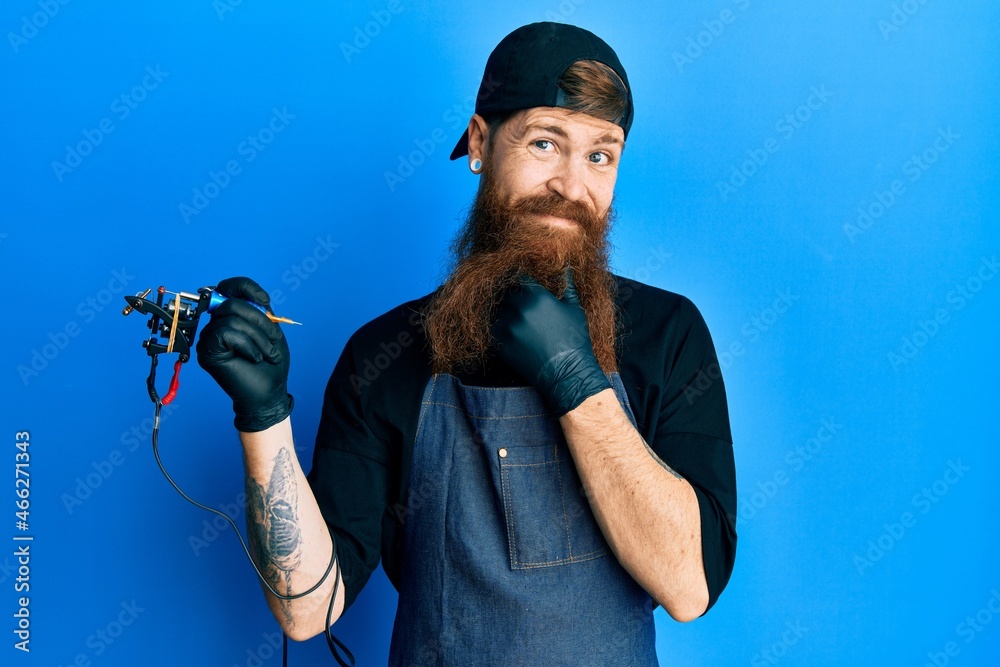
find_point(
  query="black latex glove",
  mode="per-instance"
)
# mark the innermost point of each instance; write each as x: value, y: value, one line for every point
x: 546, y: 340
x: 247, y: 355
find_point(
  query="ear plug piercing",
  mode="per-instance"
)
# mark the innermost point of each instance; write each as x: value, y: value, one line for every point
x: 476, y: 166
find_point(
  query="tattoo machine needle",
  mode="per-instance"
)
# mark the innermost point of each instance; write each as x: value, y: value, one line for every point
x: 216, y: 299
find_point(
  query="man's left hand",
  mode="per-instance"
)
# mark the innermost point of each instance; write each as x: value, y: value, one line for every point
x: 547, y: 341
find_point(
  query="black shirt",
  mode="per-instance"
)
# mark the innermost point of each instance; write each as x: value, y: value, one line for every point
x: 361, y: 464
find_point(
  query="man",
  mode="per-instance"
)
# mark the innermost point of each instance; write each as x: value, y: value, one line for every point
x: 531, y: 449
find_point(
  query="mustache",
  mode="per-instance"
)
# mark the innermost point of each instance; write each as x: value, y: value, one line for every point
x: 555, y: 205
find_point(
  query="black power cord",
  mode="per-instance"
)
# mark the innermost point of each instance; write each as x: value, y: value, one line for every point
x: 331, y: 641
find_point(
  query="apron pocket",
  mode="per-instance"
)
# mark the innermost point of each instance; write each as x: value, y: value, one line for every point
x: 549, y: 521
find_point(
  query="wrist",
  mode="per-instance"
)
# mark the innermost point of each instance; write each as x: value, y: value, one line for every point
x: 570, y: 379
x: 270, y: 439
x: 260, y: 419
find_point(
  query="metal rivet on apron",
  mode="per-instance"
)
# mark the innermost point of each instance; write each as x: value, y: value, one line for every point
x: 503, y: 452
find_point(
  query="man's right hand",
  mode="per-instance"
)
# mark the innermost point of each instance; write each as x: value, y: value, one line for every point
x: 247, y: 355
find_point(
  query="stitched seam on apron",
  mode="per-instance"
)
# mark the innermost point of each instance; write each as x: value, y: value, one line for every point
x: 457, y: 407
x: 591, y: 555
x: 528, y: 465
x: 505, y: 486
x: 423, y: 410
x: 562, y: 500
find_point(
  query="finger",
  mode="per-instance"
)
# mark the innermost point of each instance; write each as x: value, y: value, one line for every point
x: 239, y: 308
x: 253, y: 341
x: 529, y: 286
x: 242, y: 287
x: 223, y: 344
x: 525, y: 279
x: 570, y: 295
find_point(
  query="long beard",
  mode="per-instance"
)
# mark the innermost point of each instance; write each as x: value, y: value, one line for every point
x: 502, y: 240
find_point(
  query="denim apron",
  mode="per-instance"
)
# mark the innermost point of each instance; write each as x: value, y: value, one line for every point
x: 502, y: 560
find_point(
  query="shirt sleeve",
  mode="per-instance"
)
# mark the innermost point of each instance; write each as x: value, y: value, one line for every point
x: 693, y: 437
x: 350, y: 474
x: 686, y: 420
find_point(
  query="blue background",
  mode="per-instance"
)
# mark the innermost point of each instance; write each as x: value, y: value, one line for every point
x: 859, y: 353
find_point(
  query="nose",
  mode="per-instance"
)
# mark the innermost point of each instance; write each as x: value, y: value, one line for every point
x: 569, y: 179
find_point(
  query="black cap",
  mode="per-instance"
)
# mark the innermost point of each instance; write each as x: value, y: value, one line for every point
x: 524, y: 71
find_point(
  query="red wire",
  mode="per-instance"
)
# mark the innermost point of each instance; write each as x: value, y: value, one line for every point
x: 174, y: 384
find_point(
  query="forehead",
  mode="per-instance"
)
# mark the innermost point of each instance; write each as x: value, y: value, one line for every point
x: 571, y: 124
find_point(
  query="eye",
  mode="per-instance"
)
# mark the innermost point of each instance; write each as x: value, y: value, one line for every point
x: 600, y: 158
x: 542, y: 144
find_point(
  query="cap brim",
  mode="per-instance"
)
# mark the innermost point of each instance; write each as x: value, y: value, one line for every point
x: 462, y: 147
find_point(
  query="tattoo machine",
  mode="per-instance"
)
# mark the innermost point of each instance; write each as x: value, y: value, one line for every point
x: 173, y: 323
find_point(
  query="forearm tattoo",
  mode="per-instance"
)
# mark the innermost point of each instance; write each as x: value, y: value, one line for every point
x: 273, y: 525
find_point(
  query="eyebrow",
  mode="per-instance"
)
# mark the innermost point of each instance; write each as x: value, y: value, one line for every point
x: 555, y: 129
x: 610, y: 139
